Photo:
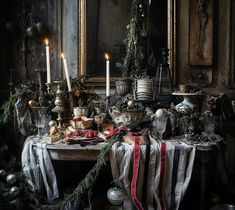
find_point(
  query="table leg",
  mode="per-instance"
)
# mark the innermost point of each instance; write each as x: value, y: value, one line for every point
x: 204, y: 186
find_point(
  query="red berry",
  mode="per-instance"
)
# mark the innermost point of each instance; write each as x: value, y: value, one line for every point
x: 77, y: 133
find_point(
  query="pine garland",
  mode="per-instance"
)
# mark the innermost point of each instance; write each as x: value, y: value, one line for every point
x: 137, y: 41
x: 82, y: 187
x: 92, y: 175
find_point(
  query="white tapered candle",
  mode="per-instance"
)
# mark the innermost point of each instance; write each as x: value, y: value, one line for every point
x: 66, y: 72
x: 107, y: 75
x: 48, y: 61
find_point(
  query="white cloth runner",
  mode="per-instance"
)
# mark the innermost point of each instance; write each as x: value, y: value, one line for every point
x: 38, y: 169
x: 179, y: 160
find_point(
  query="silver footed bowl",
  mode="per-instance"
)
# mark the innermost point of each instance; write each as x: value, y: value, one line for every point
x: 129, y: 118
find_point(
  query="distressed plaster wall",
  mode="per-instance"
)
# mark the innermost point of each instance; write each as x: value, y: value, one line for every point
x: 62, y: 18
x: 221, y: 59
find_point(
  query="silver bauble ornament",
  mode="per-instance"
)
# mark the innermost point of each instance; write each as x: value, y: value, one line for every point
x: 116, y: 196
x: 141, y: 6
x: 2, y: 172
x: 160, y: 113
x: 52, y: 123
x: 14, y: 191
x: 32, y: 103
x: 11, y: 179
x: 131, y: 104
x: 40, y: 28
x: 30, y: 32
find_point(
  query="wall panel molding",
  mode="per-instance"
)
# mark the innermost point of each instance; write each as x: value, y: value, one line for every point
x: 232, y: 45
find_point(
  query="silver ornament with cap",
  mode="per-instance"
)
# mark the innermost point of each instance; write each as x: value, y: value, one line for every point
x: 14, y: 191
x: 131, y: 104
x: 2, y: 172
x: 11, y: 179
x: 52, y: 123
x: 116, y: 196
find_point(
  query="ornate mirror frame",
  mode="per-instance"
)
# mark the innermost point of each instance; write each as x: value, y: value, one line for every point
x: 232, y: 46
x: 82, y: 40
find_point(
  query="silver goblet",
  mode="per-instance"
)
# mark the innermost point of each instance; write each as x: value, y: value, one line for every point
x: 40, y: 119
x: 160, y: 123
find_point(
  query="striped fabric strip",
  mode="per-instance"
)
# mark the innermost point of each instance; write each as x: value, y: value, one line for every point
x: 162, y: 172
x: 190, y: 152
x: 169, y: 173
x: 187, y: 164
x: 135, y: 173
x: 146, y: 171
x: 174, y: 175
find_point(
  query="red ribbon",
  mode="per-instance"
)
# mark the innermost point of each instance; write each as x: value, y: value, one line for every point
x: 112, y: 132
x: 135, y: 172
x: 136, y: 164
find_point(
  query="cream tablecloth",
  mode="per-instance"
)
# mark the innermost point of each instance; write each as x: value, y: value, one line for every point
x: 178, y: 165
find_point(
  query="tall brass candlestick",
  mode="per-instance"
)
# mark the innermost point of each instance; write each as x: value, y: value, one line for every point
x: 59, y: 103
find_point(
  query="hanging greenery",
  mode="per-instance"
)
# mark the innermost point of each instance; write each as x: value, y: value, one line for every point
x: 138, y: 46
x: 26, y: 90
x: 202, y: 6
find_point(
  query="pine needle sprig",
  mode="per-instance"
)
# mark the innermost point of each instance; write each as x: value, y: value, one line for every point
x: 25, y: 90
x: 92, y: 175
x: 135, y: 62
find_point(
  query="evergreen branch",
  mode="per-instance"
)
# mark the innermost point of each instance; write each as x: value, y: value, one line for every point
x: 92, y: 175
x: 25, y: 90
x: 136, y: 60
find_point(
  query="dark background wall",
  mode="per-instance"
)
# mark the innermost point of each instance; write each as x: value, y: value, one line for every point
x: 22, y: 45
x: 61, y: 18
x: 222, y: 67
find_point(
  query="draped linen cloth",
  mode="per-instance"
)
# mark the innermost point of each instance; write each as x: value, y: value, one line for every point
x: 170, y: 169
x: 38, y: 169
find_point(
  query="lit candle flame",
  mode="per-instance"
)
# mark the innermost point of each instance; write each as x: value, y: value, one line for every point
x: 107, y: 56
x: 46, y: 41
x: 62, y: 55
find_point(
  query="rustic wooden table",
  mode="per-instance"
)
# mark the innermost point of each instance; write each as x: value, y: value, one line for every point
x: 206, y: 154
x: 74, y: 152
